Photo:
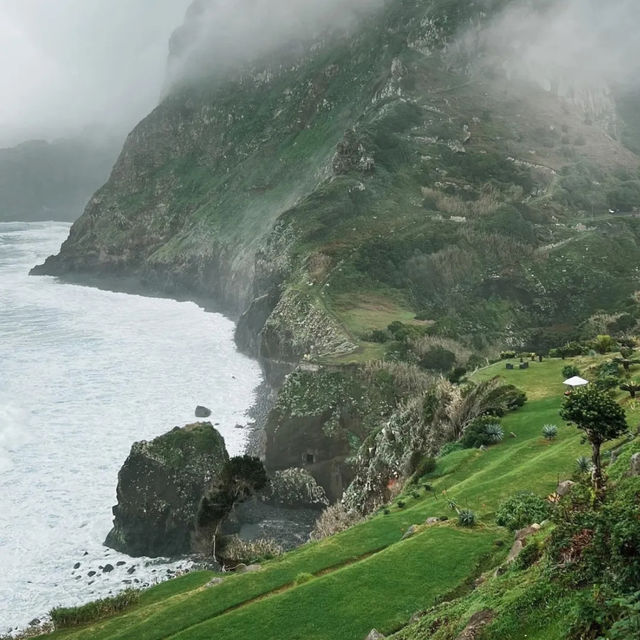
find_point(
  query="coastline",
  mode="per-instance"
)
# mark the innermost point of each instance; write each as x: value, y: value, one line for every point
x: 54, y: 297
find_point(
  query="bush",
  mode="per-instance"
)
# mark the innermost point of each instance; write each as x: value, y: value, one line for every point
x: 583, y: 465
x: 238, y: 551
x: 570, y: 371
x: 521, y: 510
x: 425, y: 466
x: 401, y: 504
x: 450, y: 447
x: 377, y: 336
x: 466, y: 518
x: 528, y: 556
x: 335, y: 519
x: 301, y: 578
x: 601, y: 541
x: 438, y: 359
x: 604, y: 344
x: 507, y: 355
x: 483, y: 431
x: 550, y: 431
x: 65, y: 617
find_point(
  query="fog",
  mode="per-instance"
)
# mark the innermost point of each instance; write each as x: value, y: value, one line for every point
x: 70, y: 64
x: 564, y: 45
x: 219, y: 34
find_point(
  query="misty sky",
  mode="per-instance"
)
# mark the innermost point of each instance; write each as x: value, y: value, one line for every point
x: 67, y: 64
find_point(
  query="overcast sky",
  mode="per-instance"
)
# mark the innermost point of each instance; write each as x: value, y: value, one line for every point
x: 68, y: 64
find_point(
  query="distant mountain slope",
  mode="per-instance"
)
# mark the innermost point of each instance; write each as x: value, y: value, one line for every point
x: 52, y: 180
x: 476, y: 200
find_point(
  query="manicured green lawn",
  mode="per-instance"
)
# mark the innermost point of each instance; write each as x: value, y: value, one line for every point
x: 382, y: 591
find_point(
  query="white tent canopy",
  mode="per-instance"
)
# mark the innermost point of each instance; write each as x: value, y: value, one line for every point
x: 576, y: 381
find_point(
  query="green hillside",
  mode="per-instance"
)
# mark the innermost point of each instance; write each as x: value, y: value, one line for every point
x: 369, y: 576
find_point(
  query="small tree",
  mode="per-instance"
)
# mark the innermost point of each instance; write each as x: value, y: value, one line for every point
x: 600, y: 417
x: 632, y: 386
x: 241, y: 477
x: 627, y: 361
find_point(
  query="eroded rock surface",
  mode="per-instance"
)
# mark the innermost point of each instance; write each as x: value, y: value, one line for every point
x: 160, y: 487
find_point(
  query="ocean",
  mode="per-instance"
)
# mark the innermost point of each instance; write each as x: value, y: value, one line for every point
x: 83, y: 374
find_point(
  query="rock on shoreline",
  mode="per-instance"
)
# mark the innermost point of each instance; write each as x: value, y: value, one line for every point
x: 160, y: 487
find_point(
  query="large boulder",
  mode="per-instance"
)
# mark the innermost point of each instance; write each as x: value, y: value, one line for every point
x: 202, y: 412
x: 160, y: 488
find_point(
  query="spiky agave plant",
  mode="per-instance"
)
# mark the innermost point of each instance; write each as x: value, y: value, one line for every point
x: 583, y: 464
x: 550, y: 431
x: 494, y: 433
x: 466, y: 518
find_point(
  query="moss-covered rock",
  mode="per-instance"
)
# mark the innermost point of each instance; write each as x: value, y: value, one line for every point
x: 160, y: 487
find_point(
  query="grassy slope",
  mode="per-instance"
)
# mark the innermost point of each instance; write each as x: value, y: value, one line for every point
x: 367, y: 576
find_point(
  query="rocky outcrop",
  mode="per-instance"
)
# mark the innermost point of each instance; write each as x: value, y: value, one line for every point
x: 286, y: 511
x: 476, y: 625
x: 160, y: 488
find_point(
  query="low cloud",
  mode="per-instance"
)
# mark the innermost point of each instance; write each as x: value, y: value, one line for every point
x: 564, y: 45
x: 221, y: 34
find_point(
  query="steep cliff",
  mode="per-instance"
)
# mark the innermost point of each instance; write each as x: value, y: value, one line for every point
x: 462, y: 195
x: 397, y: 174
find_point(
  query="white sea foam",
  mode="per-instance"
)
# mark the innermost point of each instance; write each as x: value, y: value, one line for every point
x: 83, y: 374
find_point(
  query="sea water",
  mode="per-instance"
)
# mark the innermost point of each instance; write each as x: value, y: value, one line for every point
x: 83, y: 374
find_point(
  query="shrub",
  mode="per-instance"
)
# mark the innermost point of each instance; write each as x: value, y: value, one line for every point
x: 450, y: 447
x: 483, y: 431
x: 550, y: 431
x: 583, y: 465
x: 335, y: 519
x: 425, y: 466
x: 377, y: 336
x: 301, y: 578
x: 466, y: 518
x: 415, y: 494
x: 521, y: 510
x: 528, y: 556
x: 438, y: 359
x: 569, y: 350
x: 570, y: 371
x: 604, y: 344
x: 238, y: 551
x: 65, y: 617
x: 507, y: 355
x: 401, y: 504
x: 601, y: 540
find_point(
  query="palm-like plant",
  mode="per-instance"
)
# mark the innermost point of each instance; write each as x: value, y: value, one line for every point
x: 550, y: 431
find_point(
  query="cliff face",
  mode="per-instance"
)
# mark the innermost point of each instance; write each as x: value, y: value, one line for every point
x: 376, y: 178
x: 453, y: 194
